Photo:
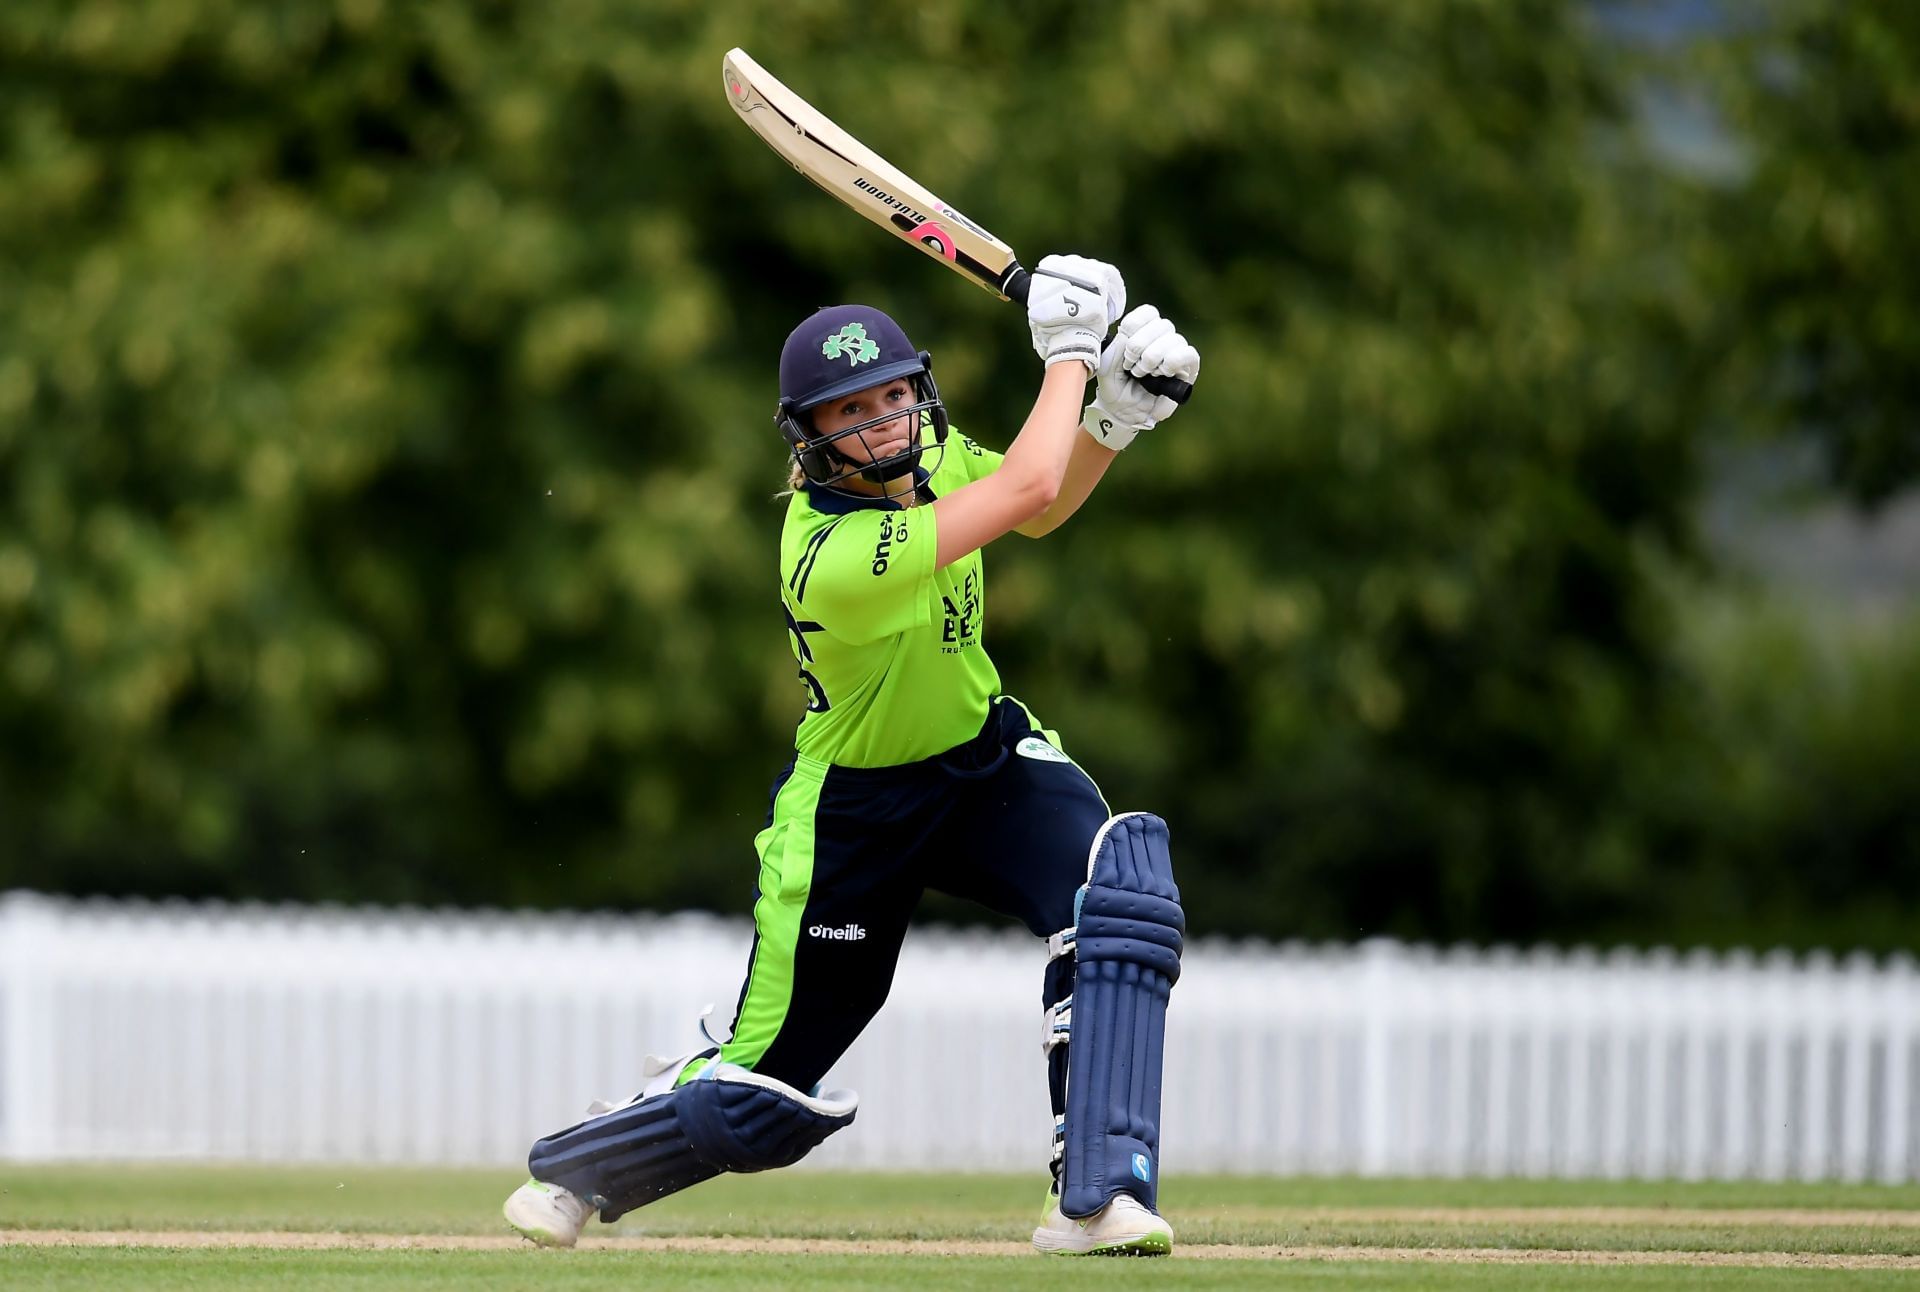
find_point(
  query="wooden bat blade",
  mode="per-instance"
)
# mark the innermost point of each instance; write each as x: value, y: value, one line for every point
x: 861, y: 178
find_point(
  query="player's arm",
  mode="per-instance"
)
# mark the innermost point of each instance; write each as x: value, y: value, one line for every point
x: 1028, y: 481
x: 1068, y: 310
x: 1145, y: 345
x: 1088, y: 462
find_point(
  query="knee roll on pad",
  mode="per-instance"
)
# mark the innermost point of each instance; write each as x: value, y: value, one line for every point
x: 1127, y: 944
x: 727, y: 1119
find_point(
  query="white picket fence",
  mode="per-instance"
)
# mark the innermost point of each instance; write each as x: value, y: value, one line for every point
x: 132, y: 1030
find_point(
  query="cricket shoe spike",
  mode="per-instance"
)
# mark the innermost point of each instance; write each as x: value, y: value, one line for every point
x: 1124, y: 1227
x: 547, y: 1214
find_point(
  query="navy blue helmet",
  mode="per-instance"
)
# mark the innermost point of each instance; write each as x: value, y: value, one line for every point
x: 833, y: 353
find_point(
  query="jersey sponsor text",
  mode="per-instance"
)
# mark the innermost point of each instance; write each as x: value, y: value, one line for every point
x: 891, y: 532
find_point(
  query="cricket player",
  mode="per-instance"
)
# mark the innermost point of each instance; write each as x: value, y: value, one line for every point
x: 913, y: 769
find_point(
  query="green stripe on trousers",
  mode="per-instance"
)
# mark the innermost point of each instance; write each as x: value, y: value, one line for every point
x: 786, y: 880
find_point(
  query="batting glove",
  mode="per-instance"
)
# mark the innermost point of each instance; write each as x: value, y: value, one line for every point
x: 1071, y: 303
x: 1145, y: 346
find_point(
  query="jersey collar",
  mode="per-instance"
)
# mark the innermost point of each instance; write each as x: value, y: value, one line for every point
x: 834, y: 503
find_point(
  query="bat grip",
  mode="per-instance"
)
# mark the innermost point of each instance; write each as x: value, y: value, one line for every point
x: 1015, y: 287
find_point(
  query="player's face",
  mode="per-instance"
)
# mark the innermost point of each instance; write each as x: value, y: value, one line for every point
x: 879, y: 441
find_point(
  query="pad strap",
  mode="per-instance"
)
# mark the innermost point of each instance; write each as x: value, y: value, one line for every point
x: 1056, y: 1025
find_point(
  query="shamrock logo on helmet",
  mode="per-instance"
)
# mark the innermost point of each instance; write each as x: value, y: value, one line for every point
x: 851, y: 342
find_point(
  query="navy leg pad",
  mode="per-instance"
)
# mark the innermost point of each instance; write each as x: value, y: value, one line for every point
x: 1127, y: 948
x: 727, y: 1119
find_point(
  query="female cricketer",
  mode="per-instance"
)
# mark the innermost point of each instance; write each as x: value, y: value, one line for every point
x: 914, y: 770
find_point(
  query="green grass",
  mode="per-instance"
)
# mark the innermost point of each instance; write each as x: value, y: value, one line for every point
x: 798, y: 1203
x: 839, y: 1206
x: 21, y: 1270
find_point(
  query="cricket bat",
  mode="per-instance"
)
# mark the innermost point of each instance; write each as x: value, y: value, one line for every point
x: 892, y: 199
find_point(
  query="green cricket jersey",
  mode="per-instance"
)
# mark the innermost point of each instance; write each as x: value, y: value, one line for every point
x: 889, y: 648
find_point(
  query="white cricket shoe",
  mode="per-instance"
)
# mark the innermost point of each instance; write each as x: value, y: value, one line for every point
x: 547, y: 1214
x: 1121, y: 1228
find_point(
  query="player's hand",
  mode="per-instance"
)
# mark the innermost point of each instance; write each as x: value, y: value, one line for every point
x: 1145, y: 346
x: 1071, y: 303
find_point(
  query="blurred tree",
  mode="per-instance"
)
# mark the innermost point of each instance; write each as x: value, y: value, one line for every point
x: 385, y: 447
x: 1816, y: 251
x: 1787, y: 790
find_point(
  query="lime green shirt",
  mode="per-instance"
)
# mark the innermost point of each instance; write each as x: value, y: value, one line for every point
x: 889, y: 648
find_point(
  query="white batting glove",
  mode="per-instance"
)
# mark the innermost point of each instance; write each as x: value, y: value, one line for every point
x: 1145, y: 346
x: 1071, y: 303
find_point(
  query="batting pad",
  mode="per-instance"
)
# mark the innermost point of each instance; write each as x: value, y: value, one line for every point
x: 726, y: 1119
x: 1127, y: 950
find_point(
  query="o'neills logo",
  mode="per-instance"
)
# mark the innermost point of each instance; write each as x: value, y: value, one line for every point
x: 845, y: 933
x: 889, y: 199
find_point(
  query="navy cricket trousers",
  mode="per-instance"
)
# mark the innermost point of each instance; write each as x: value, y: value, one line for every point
x: 1005, y: 820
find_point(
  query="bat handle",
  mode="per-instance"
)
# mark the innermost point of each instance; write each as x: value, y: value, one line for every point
x: 1015, y: 286
x: 1172, y: 387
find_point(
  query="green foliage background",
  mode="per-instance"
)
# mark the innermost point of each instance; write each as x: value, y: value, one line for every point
x: 386, y: 461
